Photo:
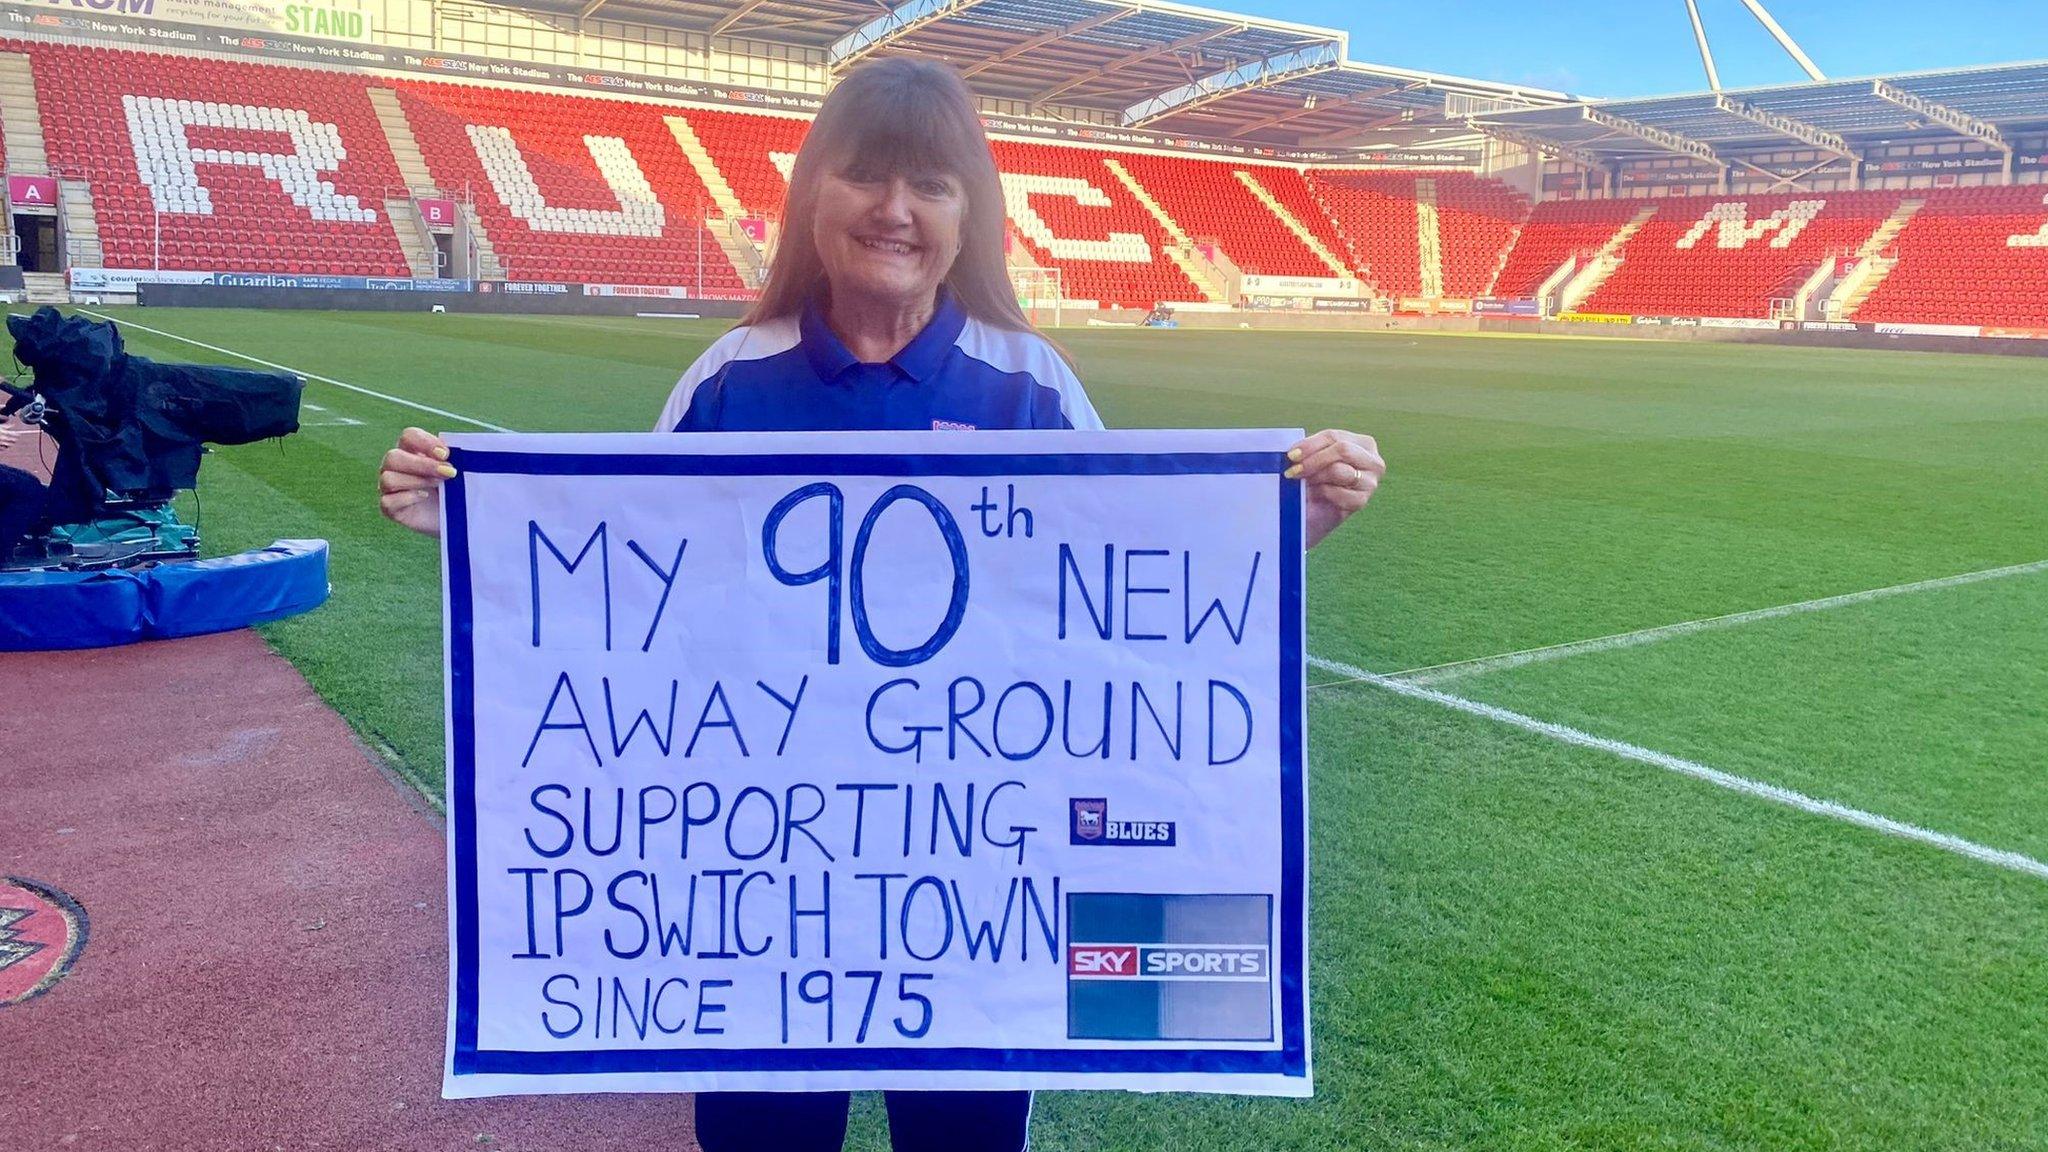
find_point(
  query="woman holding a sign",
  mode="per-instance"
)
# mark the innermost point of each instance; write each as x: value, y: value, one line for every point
x: 888, y: 307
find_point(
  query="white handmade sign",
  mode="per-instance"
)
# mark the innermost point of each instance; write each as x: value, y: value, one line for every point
x: 875, y: 760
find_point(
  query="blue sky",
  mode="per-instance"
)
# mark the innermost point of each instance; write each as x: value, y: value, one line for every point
x: 1645, y: 47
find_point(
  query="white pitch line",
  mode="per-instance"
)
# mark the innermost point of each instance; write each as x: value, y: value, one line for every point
x: 386, y: 396
x: 1457, y: 669
x: 333, y: 421
x: 1996, y: 857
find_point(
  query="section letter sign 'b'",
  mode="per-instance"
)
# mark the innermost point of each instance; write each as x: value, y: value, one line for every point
x: 875, y: 760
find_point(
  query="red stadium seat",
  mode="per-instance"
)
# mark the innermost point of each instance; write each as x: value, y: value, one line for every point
x: 1559, y: 230
x: 1209, y: 202
x: 219, y: 166
x: 1376, y: 211
x: 572, y: 188
x: 1969, y: 256
x: 1729, y: 256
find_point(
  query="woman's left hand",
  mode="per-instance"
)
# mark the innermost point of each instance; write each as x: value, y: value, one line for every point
x: 1339, y: 471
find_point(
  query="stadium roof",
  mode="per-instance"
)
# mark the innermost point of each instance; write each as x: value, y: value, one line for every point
x: 1843, y: 116
x: 1162, y: 66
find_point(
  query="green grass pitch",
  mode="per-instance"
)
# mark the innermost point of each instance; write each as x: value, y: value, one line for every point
x: 1518, y: 943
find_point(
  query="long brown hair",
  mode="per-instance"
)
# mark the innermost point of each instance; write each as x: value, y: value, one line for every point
x: 898, y: 114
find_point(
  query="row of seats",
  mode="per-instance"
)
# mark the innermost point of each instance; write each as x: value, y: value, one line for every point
x: 1375, y: 213
x: 571, y: 187
x: 1971, y: 256
x: 1476, y: 219
x: 1557, y: 231
x: 1730, y: 255
x: 209, y: 164
x: 1072, y: 213
x: 203, y: 163
x: 1210, y: 202
x: 1290, y: 188
x: 744, y: 146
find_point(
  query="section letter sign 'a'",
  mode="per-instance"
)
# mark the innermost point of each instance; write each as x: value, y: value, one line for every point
x: 876, y: 760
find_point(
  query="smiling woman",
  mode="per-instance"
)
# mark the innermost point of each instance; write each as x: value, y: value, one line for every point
x: 888, y: 306
x: 900, y: 192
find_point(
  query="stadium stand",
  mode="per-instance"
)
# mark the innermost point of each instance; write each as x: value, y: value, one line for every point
x: 205, y: 164
x: 1477, y: 219
x: 744, y: 146
x: 208, y: 164
x: 1730, y: 255
x: 572, y: 188
x: 1075, y: 215
x: 1556, y: 231
x: 1969, y: 256
x: 1291, y: 189
x: 1210, y: 203
x: 1375, y: 213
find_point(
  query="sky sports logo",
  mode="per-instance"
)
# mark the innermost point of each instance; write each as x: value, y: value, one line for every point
x: 1166, y: 962
x: 1090, y: 825
x: 1157, y: 966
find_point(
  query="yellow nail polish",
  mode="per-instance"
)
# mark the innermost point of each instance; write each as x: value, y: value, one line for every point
x: 1294, y: 454
x: 440, y: 453
x: 1294, y: 472
x: 447, y: 470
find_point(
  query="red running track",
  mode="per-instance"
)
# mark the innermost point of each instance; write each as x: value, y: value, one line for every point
x: 267, y: 965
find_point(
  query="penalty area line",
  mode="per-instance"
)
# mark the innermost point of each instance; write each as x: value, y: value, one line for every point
x: 1458, y: 669
x: 385, y: 396
x: 1997, y: 857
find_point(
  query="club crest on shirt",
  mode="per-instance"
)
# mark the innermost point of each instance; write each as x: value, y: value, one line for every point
x: 951, y: 426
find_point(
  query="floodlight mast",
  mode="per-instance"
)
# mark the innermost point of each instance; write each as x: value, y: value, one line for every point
x: 1699, y: 34
x: 1763, y: 17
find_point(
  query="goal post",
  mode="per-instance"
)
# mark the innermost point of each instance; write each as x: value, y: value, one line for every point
x: 1040, y: 294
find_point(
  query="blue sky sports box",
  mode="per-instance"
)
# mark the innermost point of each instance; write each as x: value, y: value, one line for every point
x: 1142, y: 966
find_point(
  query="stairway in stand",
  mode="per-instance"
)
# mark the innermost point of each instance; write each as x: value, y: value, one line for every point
x: 1599, y: 267
x: 403, y: 215
x: 739, y: 249
x: 1182, y: 249
x: 1287, y: 219
x: 1872, y: 265
x: 1429, y: 239
x: 413, y: 238
x: 21, y: 118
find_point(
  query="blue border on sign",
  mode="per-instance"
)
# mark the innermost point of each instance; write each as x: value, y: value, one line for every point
x: 1291, y: 1059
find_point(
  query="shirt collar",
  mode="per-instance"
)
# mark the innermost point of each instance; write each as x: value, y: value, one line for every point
x: 829, y: 356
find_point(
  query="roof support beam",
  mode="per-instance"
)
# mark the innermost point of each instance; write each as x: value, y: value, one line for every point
x: 1356, y: 133
x: 1275, y: 69
x: 1309, y: 108
x: 1540, y: 146
x: 1699, y: 33
x: 1792, y: 181
x: 1044, y: 38
x: 585, y: 12
x: 1138, y: 57
x: 1961, y: 123
x: 740, y: 12
x: 1651, y: 134
x: 1784, y: 40
x: 890, y: 27
x: 1786, y: 126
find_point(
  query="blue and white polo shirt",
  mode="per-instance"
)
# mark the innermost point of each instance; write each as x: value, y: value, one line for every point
x: 795, y: 375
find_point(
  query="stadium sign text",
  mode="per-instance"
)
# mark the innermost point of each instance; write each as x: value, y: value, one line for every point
x: 876, y: 760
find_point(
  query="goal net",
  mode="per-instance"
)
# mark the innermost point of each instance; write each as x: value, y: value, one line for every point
x: 1039, y: 294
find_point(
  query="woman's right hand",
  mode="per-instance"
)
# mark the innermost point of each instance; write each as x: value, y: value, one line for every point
x: 408, y: 484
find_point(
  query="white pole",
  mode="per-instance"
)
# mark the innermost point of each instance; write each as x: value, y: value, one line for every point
x: 700, y: 249
x: 1784, y: 41
x: 156, y: 239
x: 1699, y: 33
